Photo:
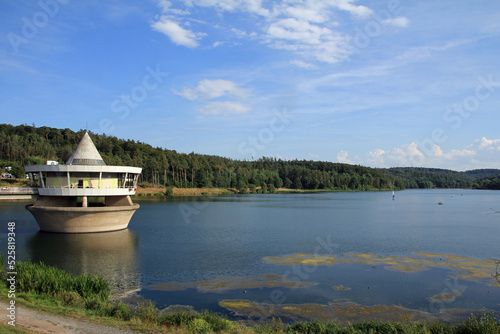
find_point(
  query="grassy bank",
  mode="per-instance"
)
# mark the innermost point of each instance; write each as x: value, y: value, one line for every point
x: 14, y: 183
x: 148, y: 191
x: 56, y: 291
x: 152, y: 191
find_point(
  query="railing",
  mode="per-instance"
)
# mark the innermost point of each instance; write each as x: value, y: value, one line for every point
x: 18, y: 191
x: 86, y: 191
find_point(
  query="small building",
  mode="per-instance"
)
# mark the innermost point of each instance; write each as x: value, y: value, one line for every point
x: 84, y: 195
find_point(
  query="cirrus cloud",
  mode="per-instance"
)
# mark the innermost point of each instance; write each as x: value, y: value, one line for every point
x: 210, y: 89
x: 308, y: 28
x: 224, y: 108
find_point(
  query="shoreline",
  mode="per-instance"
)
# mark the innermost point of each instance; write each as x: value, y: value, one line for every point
x: 185, y: 192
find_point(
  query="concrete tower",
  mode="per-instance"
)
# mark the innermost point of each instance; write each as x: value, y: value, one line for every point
x: 64, y: 191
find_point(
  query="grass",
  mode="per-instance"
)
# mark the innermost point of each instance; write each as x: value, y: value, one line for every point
x: 84, y: 296
x: 40, y: 278
x: 21, y: 183
x: 8, y: 329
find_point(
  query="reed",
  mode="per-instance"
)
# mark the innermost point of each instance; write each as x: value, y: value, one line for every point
x: 40, y: 278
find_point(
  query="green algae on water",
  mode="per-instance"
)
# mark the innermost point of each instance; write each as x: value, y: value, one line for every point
x: 227, y: 283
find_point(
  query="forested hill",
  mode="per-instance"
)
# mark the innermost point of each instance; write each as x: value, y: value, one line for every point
x: 27, y: 145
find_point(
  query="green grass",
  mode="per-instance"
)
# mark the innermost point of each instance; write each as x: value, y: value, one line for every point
x: 55, y: 290
x: 40, y: 278
x: 8, y: 329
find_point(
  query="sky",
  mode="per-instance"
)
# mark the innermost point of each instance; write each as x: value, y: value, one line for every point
x: 386, y: 83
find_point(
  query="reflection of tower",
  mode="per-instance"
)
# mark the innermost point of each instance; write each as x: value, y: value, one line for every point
x: 84, y: 176
x: 112, y: 255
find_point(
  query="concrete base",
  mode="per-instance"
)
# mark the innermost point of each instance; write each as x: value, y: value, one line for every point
x: 82, y: 219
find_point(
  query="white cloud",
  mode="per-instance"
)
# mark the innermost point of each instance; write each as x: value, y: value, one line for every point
x: 376, y: 158
x: 309, y: 40
x: 176, y: 33
x: 229, y: 96
x: 359, y: 11
x: 164, y: 5
x: 252, y: 6
x: 303, y: 64
x: 298, y: 31
x: 487, y: 144
x: 302, y: 12
x: 306, y: 27
x: 400, y: 21
x: 483, y: 153
x: 343, y: 157
x: 211, y: 89
x: 224, y: 108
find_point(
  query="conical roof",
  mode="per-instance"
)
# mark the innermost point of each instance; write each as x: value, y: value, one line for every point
x: 85, y: 153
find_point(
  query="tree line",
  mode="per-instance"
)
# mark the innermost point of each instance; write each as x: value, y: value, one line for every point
x: 26, y: 145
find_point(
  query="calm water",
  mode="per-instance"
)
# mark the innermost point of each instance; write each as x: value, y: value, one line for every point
x: 226, y: 240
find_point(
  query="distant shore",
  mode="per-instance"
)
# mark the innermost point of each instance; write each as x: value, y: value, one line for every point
x: 163, y: 191
x: 152, y: 191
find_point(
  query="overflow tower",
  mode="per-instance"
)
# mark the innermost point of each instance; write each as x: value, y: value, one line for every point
x: 84, y: 195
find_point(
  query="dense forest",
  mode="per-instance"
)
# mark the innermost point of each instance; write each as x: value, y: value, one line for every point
x: 26, y: 145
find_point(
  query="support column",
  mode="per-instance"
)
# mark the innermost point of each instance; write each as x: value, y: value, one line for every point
x: 84, y: 202
x: 41, y: 180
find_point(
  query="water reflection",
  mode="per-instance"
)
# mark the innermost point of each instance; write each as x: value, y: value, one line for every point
x: 112, y: 255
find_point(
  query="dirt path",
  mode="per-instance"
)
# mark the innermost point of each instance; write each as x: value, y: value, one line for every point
x: 39, y: 322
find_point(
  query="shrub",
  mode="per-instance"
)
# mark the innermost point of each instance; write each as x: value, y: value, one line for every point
x: 147, y: 312
x: 486, y: 323
x: 71, y: 298
x: 199, y: 326
x: 377, y: 327
x: 180, y: 319
x: 169, y: 191
x: 93, y: 303
x: 2, y: 265
x: 217, y: 323
x: 119, y: 310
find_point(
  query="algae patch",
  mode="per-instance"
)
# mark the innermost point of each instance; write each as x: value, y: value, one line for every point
x: 341, y: 288
x: 446, y: 297
x: 227, y: 283
x: 463, y: 267
x: 342, y: 311
x: 305, y: 259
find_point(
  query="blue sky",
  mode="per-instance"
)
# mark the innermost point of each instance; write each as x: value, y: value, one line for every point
x: 376, y: 83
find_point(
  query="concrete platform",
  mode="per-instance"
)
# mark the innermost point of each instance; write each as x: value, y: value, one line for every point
x: 82, y: 219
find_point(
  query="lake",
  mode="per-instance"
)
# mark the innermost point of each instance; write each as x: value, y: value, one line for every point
x: 428, y: 254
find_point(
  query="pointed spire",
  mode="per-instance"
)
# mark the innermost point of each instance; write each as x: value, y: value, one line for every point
x: 86, y: 153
